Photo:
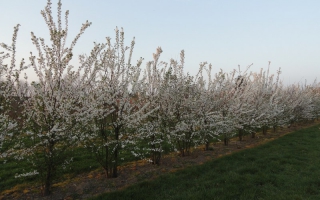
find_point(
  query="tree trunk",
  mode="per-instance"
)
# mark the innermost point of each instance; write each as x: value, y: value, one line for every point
x: 47, y: 184
x: 107, y: 164
x: 188, y: 147
x: 115, y: 154
x: 50, y: 166
x: 253, y: 135
x: 207, y: 146
x: 264, y: 130
x: 226, y: 141
x: 156, y: 155
x: 156, y: 158
x: 115, y: 165
x: 240, y: 134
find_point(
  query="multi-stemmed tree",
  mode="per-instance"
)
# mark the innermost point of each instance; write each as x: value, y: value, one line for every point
x: 48, y: 109
x: 265, y: 93
x: 178, y: 94
x: 9, y: 103
x: 264, y: 99
x: 221, y: 87
x: 113, y: 109
x: 153, y: 129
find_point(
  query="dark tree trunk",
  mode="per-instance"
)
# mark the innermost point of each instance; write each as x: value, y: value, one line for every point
x: 264, y: 130
x: 115, y: 154
x: 226, y: 141
x: 47, y: 184
x: 207, y: 146
x: 188, y: 146
x: 240, y: 134
x: 106, y: 169
x: 50, y: 166
x: 182, y: 152
x: 115, y: 165
x: 156, y: 158
x: 155, y: 155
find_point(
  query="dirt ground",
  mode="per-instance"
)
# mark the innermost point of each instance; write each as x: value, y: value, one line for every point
x: 90, y: 184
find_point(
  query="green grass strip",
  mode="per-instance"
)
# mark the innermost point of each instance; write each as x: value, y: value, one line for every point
x: 287, y: 168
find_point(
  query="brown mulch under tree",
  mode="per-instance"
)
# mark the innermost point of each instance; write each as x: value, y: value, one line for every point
x: 90, y: 184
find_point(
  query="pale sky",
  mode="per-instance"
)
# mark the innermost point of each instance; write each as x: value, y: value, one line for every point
x: 225, y: 33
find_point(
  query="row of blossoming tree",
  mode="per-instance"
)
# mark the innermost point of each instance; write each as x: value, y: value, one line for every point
x: 108, y: 105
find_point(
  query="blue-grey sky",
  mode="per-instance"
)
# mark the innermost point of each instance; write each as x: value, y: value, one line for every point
x: 225, y: 33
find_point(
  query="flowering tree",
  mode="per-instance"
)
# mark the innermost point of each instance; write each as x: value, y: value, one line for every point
x: 182, y: 110
x: 113, y: 108
x: 263, y: 93
x: 266, y: 97
x: 221, y: 87
x: 298, y: 102
x: 152, y: 130
x: 8, y: 76
x: 49, y: 106
x: 176, y: 111
x: 230, y: 94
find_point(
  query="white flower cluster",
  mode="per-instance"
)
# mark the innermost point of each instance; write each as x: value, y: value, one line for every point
x: 26, y: 174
